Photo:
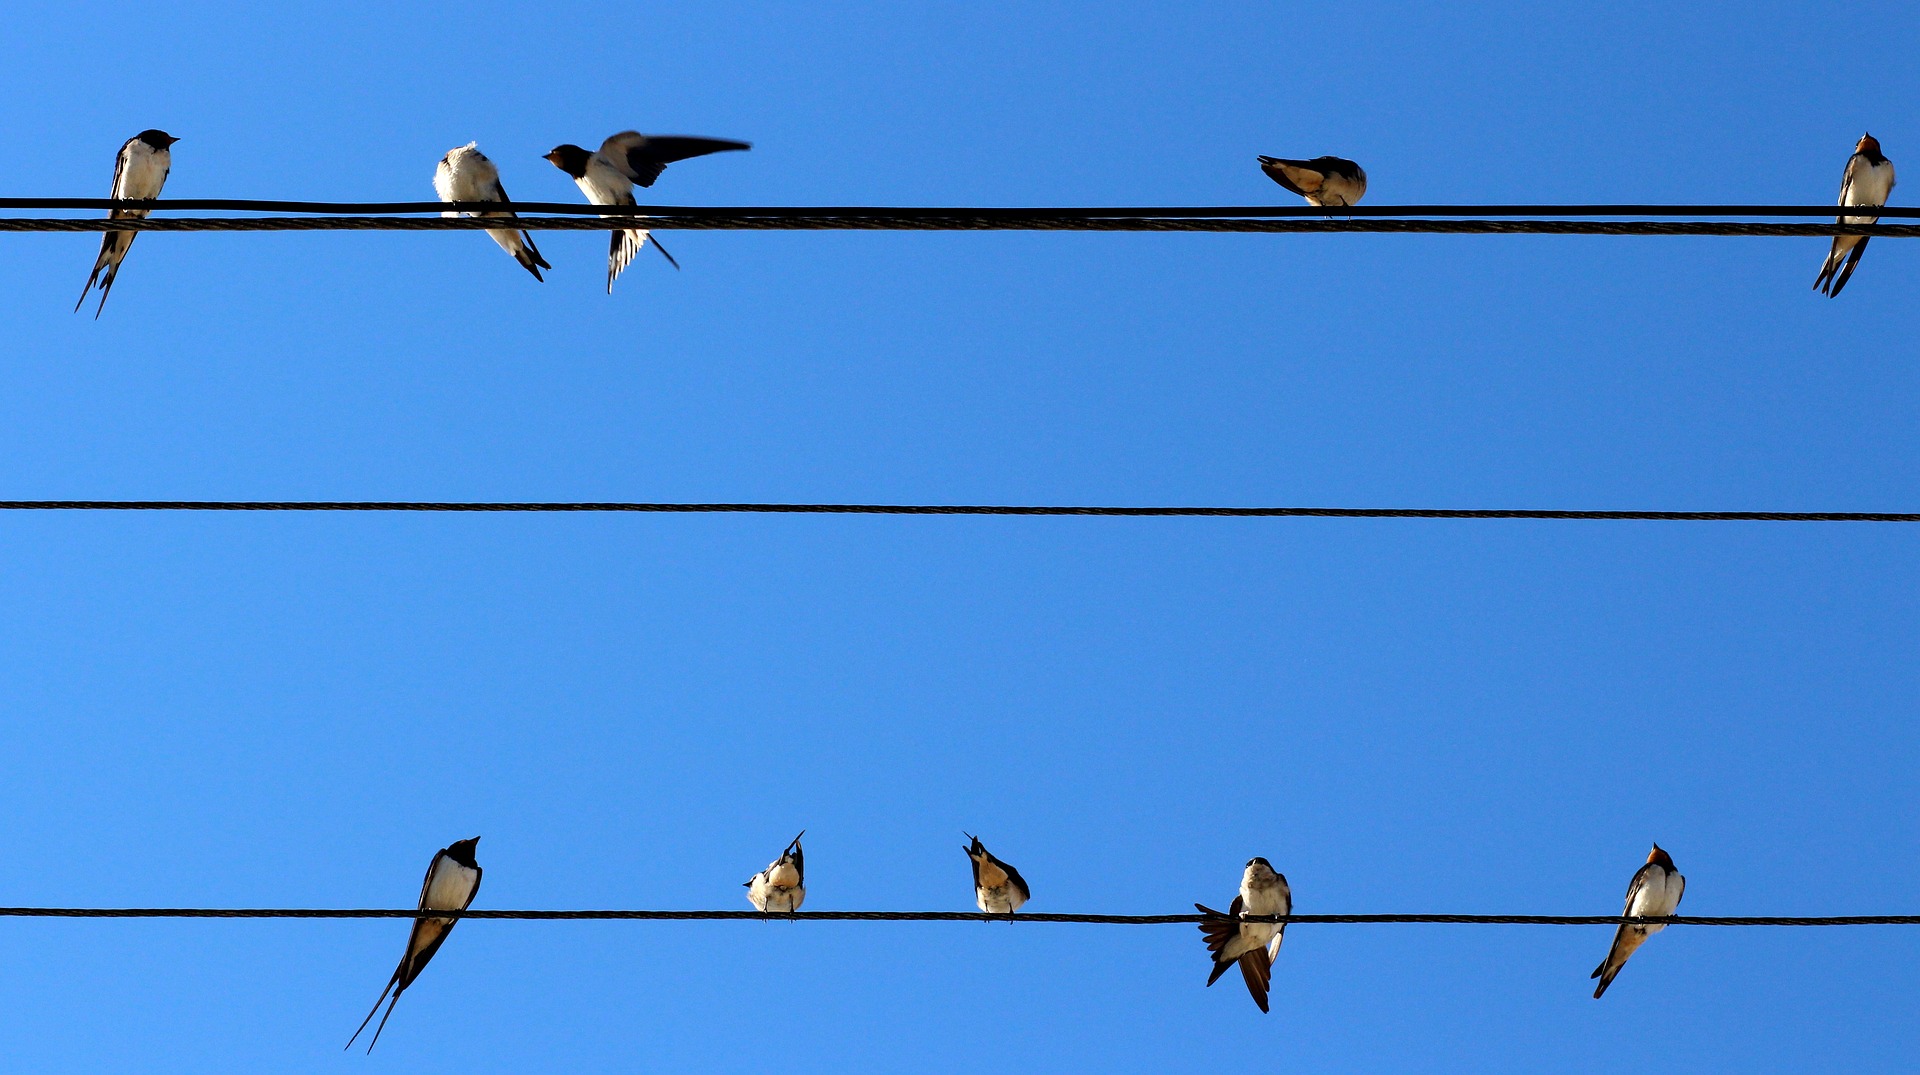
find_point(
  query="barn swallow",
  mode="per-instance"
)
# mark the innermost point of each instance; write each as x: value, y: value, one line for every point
x: 1867, y: 181
x: 1251, y: 944
x: 608, y: 178
x: 138, y: 174
x: 782, y: 886
x: 452, y: 879
x: 1321, y: 181
x: 466, y: 175
x: 997, y: 887
x: 1654, y: 893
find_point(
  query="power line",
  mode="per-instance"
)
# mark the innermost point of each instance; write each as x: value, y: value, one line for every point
x: 1575, y: 514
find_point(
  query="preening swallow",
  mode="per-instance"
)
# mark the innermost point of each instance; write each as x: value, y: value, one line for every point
x: 466, y: 175
x: 1654, y: 893
x: 1867, y: 181
x: 628, y: 158
x: 138, y: 174
x: 1321, y: 181
x: 452, y: 879
x: 997, y: 887
x: 782, y: 886
x: 1253, y: 945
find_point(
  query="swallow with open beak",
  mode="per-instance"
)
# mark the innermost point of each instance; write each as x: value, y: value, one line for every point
x: 627, y: 159
x: 138, y: 174
x: 466, y: 175
x: 452, y: 879
x: 997, y: 887
x: 782, y: 886
x: 1868, y: 180
x: 1654, y: 893
x: 1321, y: 181
x: 1253, y: 945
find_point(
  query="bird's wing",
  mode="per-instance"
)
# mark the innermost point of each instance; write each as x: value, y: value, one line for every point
x: 644, y: 158
x: 120, y: 173
x: 1635, y: 886
x: 1257, y: 969
x: 1295, y: 175
x: 1018, y: 881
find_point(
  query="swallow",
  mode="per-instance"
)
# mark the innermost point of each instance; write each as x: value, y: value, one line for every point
x: 782, y: 886
x: 997, y: 887
x: 138, y: 174
x: 1254, y: 945
x: 452, y: 879
x: 1654, y: 893
x: 1321, y: 181
x: 608, y: 177
x: 466, y: 175
x: 1867, y: 181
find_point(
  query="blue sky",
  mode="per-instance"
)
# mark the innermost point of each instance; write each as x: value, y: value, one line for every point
x: 640, y: 711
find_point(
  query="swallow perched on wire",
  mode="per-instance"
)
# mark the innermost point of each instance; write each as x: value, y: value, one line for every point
x: 1868, y: 180
x: 466, y: 175
x: 628, y: 158
x: 452, y: 879
x: 1654, y: 893
x: 997, y: 887
x: 138, y: 174
x: 1253, y: 945
x: 782, y: 886
x: 1321, y: 181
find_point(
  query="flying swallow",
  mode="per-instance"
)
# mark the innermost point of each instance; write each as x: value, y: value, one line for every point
x: 1253, y: 945
x: 466, y: 175
x: 1321, y: 181
x: 1867, y: 181
x: 452, y: 879
x: 1654, y: 893
x: 997, y: 887
x: 608, y: 178
x: 138, y: 174
x: 782, y: 886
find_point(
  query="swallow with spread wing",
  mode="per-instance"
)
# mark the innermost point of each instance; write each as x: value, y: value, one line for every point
x: 1321, y: 181
x: 466, y: 175
x: 1253, y: 945
x: 997, y: 887
x: 607, y: 177
x: 452, y: 879
x: 1868, y: 180
x: 1654, y: 893
x: 138, y: 174
x: 782, y: 886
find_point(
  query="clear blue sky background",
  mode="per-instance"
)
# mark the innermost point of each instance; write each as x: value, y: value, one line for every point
x: 639, y: 711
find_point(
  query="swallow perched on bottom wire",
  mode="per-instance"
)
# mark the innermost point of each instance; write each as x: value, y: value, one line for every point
x: 1321, y: 181
x: 466, y: 175
x: 452, y: 879
x: 1868, y: 180
x: 138, y: 174
x: 782, y: 886
x: 1253, y: 945
x: 1654, y: 893
x: 997, y: 887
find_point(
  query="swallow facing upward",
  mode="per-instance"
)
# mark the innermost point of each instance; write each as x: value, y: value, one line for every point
x: 997, y: 887
x: 782, y: 886
x: 138, y: 174
x: 1321, y: 181
x: 1654, y: 893
x: 1251, y: 944
x: 452, y: 879
x: 1867, y: 181
x: 466, y: 175
x: 608, y: 178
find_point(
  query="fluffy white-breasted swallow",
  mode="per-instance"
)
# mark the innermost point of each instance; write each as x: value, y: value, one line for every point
x: 452, y: 879
x: 1868, y: 180
x: 1321, y: 181
x: 628, y: 158
x: 1654, y: 893
x: 782, y: 886
x: 1253, y: 945
x: 138, y: 174
x: 997, y: 887
x: 466, y: 175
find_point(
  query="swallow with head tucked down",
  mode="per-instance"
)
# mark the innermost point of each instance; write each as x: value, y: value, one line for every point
x: 1654, y: 893
x: 138, y: 174
x: 997, y: 887
x: 1253, y: 945
x: 1321, y: 181
x: 466, y: 175
x: 1868, y: 180
x: 452, y: 879
x: 782, y: 886
x: 624, y: 160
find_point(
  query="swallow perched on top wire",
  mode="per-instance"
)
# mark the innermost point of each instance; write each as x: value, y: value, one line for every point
x: 997, y: 887
x: 782, y: 886
x: 138, y: 174
x: 466, y: 175
x: 607, y: 177
x: 452, y: 879
x: 1868, y: 180
x: 1321, y: 181
x: 1654, y: 893
x: 1253, y: 945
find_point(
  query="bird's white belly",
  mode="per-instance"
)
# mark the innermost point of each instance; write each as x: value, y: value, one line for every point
x: 451, y: 888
